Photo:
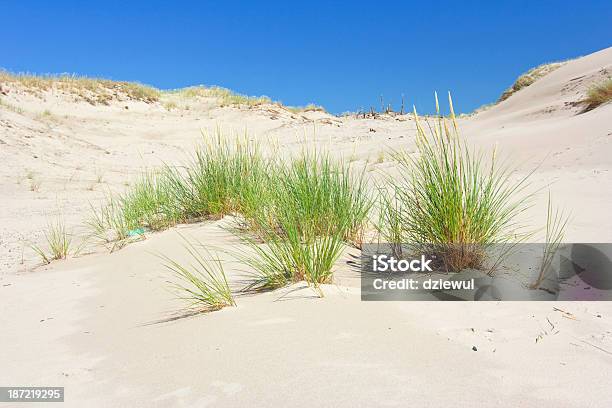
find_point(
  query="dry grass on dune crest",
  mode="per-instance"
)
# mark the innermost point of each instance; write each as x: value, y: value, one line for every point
x: 93, y: 90
x: 99, y: 91
x: 598, y: 94
x: 311, y: 107
x: 529, y: 78
x: 227, y: 97
x: 224, y: 96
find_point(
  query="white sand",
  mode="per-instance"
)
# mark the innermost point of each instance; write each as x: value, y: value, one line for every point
x: 98, y: 324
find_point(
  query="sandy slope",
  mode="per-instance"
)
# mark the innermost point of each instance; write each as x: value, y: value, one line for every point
x: 102, y: 325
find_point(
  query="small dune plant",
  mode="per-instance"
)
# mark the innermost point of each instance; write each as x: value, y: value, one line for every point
x: 58, y: 242
x: 451, y: 201
x: 170, y: 105
x: 107, y: 224
x: 598, y: 95
x: 202, y: 281
x: 556, y: 223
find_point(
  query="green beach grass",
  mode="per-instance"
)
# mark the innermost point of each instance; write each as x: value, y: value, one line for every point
x: 296, y: 216
x: 449, y: 200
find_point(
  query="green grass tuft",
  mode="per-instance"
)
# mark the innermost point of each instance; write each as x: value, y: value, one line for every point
x: 450, y: 201
x: 556, y: 223
x: 529, y: 78
x: 317, y: 206
x: 58, y: 242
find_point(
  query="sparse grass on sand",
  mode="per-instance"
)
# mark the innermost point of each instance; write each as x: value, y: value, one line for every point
x: 598, y: 94
x: 311, y: 107
x: 93, y: 90
x: 202, y: 282
x: 11, y: 107
x: 295, y: 216
x: 227, y: 97
x: 529, y: 78
x: 556, y: 223
x: 224, y: 96
x: 170, y: 106
x: 99, y: 91
x: 58, y: 242
x: 449, y: 201
x: 221, y: 179
x: 107, y: 224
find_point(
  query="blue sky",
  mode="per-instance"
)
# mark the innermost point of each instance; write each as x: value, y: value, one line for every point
x: 342, y: 55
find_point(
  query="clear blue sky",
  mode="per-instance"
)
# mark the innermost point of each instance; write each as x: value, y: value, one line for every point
x: 342, y: 55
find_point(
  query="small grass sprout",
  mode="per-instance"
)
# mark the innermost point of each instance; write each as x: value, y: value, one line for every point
x: 202, y: 282
x: 58, y: 242
x: 556, y: 223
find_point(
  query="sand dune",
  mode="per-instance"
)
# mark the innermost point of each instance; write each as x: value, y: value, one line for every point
x: 105, y: 327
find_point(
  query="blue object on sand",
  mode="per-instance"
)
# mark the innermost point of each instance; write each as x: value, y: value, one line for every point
x: 137, y: 231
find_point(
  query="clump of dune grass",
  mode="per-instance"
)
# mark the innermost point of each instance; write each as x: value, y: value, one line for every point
x: 92, y: 90
x: 223, y: 178
x: 107, y: 224
x: 202, y: 282
x: 323, y: 194
x: 170, y: 105
x: 286, y: 257
x: 317, y: 207
x: 150, y: 203
x: 296, y: 215
x: 530, y: 77
x: 556, y: 223
x: 598, y: 94
x: 449, y: 201
x: 58, y: 242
